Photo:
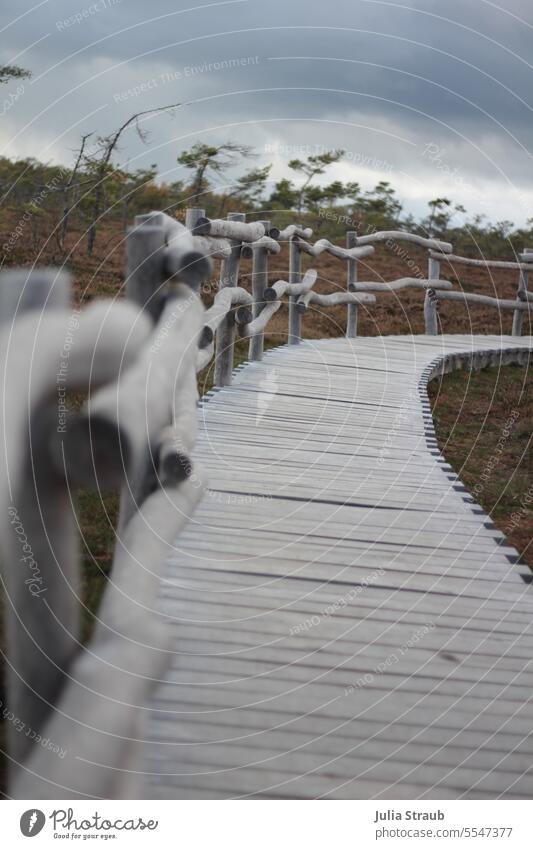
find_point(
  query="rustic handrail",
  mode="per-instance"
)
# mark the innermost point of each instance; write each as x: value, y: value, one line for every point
x: 137, y: 360
x: 282, y: 287
x: 397, y: 285
x: 402, y: 236
x: 294, y: 230
x: 325, y: 246
x: 433, y: 297
x: 482, y: 263
x: 332, y: 300
x: 230, y: 229
x: 136, y: 431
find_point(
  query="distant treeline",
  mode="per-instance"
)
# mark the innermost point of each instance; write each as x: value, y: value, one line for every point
x: 41, y: 201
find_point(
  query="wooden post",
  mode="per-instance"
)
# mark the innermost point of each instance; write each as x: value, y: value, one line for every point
x: 351, y: 322
x: 191, y: 217
x: 39, y: 531
x: 295, y: 267
x: 518, y: 315
x: 22, y: 290
x: 145, y: 277
x: 225, y: 337
x: 430, y: 303
x: 259, y: 284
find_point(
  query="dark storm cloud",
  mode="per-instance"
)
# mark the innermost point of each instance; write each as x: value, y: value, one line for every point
x: 386, y: 81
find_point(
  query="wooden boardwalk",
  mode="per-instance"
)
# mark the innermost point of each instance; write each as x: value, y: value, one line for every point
x: 347, y: 623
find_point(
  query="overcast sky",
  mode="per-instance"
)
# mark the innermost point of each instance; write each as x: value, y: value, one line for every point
x: 435, y: 97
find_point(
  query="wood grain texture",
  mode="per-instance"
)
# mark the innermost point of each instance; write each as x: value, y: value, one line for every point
x: 346, y: 622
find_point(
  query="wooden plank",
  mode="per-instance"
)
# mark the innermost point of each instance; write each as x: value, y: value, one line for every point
x: 346, y: 621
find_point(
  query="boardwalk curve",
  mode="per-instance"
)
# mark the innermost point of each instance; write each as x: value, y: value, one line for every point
x: 347, y: 622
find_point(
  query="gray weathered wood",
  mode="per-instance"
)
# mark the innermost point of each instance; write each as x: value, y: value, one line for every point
x: 521, y: 294
x: 192, y: 217
x: 401, y: 236
x: 333, y: 300
x: 481, y: 263
x: 265, y: 244
x: 283, y: 287
x: 400, y: 283
x: 294, y: 230
x: 352, y: 269
x: 345, y: 623
x: 51, y: 355
x: 486, y: 300
x: 24, y: 289
x: 295, y: 273
x: 325, y: 246
x: 260, y: 252
x: 229, y: 276
x: 234, y: 227
x: 430, y: 303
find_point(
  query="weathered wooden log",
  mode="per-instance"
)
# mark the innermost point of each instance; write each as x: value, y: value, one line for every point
x: 258, y: 324
x: 138, y: 407
x: 192, y: 216
x: 481, y: 263
x: 430, y: 303
x: 244, y: 315
x: 51, y: 355
x: 324, y: 246
x: 225, y: 300
x: 295, y: 274
x: 265, y: 243
x: 159, y: 252
x: 431, y: 320
x: 400, y: 236
x: 234, y: 227
x: 333, y: 300
x: 204, y: 357
x: 486, y: 300
x: 207, y: 337
x: 521, y: 293
x: 260, y: 255
x: 294, y: 230
x: 27, y: 289
x: 351, y: 281
x: 283, y: 287
x: 229, y: 277
x: 177, y: 439
x: 401, y: 283
x: 215, y: 248
x: 98, y: 718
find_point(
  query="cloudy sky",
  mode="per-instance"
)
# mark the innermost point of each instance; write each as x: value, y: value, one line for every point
x: 434, y: 97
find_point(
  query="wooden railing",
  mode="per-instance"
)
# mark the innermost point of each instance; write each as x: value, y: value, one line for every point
x: 136, y: 361
x: 519, y: 307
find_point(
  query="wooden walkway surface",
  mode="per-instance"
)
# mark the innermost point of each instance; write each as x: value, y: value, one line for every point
x: 347, y: 622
